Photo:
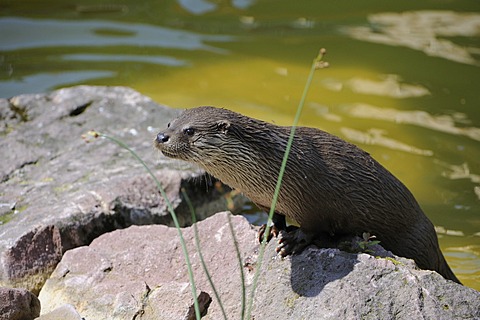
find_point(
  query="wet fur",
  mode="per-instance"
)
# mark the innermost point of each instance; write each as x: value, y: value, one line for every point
x: 329, y: 185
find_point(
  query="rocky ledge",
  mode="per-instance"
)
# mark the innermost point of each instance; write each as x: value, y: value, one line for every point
x: 59, y: 192
x: 140, y: 273
x: 84, y: 225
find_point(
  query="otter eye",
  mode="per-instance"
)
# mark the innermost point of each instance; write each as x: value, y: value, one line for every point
x: 168, y: 125
x: 189, y: 131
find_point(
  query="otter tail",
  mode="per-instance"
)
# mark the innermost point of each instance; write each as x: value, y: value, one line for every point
x: 430, y: 256
x: 420, y: 243
x: 444, y: 268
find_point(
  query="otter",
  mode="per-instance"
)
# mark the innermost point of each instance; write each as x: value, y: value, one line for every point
x: 330, y: 185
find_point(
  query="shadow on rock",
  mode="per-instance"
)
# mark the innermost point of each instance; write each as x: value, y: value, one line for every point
x: 314, y: 269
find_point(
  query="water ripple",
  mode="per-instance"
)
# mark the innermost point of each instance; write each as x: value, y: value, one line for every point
x: 22, y: 33
x: 426, y: 31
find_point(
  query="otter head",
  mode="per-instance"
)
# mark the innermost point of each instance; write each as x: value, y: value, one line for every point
x: 198, y: 135
x: 242, y: 152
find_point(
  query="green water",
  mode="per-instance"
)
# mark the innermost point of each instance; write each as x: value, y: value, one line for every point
x: 403, y: 84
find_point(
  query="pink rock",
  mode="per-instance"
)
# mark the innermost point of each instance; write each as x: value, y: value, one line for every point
x: 122, y: 272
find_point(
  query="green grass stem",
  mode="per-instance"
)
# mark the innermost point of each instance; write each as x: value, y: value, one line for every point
x: 242, y: 275
x: 317, y: 63
x: 246, y: 309
x: 197, y: 243
x: 170, y: 209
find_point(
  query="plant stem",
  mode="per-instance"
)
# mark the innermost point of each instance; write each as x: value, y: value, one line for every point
x: 197, y: 243
x: 317, y: 63
x: 170, y: 209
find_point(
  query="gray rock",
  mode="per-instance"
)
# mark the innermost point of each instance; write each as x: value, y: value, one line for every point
x: 59, y: 192
x: 332, y: 284
x: 18, y: 304
x: 140, y: 272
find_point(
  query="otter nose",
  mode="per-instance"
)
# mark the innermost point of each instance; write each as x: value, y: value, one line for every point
x: 162, y: 137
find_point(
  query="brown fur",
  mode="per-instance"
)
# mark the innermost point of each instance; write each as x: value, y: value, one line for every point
x: 329, y: 185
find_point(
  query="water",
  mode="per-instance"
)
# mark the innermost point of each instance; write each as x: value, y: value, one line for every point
x: 403, y: 82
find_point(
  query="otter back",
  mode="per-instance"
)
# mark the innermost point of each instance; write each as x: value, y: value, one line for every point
x: 329, y: 185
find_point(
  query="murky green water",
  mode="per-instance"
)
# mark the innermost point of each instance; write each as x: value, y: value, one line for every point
x: 404, y: 81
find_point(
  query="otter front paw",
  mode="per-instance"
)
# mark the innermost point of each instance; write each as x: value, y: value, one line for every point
x: 279, y: 224
x: 274, y: 232
x: 293, y: 242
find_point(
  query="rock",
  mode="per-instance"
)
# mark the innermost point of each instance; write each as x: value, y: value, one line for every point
x: 59, y: 192
x: 18, y: 304
x: 41, y: 244
x: 65, y: 312
x: 140, y: 271
x: 332, y: 284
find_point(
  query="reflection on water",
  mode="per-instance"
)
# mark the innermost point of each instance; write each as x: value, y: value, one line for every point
x: 197, y: 6
x: 21, y: 33
x: 376, y: 137
x: 390, y: 86
x: 459, y: 172
x: 31, y: 34
x: 415, y: 113
x: 441, y: 230
x: 441, y: 123
x: 427, y: 31
x: 43, y: 82
x: 161, y: 60
x: 465, y: 257
x: 202, y: 6
x: 462, y: 171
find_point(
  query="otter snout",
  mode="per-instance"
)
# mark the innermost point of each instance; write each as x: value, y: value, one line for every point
x: 162, y: 137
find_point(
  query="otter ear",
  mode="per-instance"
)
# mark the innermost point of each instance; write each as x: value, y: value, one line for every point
x: 223, y: 125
